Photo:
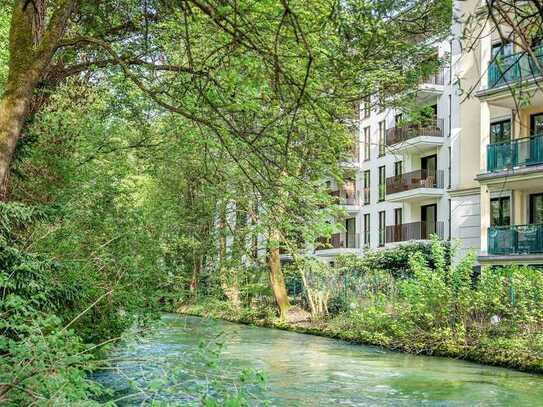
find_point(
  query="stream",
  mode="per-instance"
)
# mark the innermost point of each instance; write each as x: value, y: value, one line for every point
x: 176, y: 364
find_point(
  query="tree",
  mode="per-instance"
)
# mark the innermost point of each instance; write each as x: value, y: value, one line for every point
x: 271, y: 91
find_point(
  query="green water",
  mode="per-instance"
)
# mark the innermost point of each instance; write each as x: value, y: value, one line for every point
x: 303, y: 370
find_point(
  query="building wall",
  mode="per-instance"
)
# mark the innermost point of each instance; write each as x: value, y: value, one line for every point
x: 465, y: 134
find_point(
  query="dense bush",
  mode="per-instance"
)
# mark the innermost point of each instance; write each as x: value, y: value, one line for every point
x: 39, y: 360
x: 438, y: 310
x: 395, y: 260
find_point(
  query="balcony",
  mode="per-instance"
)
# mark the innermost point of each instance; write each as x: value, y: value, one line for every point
x: 351, y: 158
x: 415, y: 186
x: 515, y: 240
x: 413, y: 231
x: 351, y: 199
x: 519, y: 67
x: 431, y: 87
x: 515, y: 154
x: 512, y: 70
x: 339, y: 243
x: 417, y: 137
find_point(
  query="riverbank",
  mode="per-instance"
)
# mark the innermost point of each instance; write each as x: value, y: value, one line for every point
x: 520, y: 353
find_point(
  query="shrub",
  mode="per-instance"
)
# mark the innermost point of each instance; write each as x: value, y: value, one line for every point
x: 394, y: 260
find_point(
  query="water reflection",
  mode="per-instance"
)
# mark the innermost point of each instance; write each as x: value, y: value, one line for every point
x: 304, y: 370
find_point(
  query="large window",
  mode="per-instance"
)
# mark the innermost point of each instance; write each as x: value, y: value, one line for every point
x: 398, y: 168
x: 350, y: 226
x: 449, y: 169
x: 382, y: 226
x: 367, y: 229
x: 382, y: 179
x: 500, y: 131
x: 536, y: 209
x: 500, y: 211
x: 366, y: 187
x: 382, y: 138
x: 367, y: 108
x: 367, y: 145
x: 536, y: 124
x: 501, y: 50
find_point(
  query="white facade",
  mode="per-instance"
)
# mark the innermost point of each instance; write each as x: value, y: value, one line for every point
x: 419, y: 190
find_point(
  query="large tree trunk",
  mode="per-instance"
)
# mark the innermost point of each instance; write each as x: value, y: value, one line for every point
x: 31, y: 50
x: 277, y: 280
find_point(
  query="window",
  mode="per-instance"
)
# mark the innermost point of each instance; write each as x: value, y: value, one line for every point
x: 350, y: 227
x: 366, y: 187
x: 398, y: 216
x: 500, y: 211
x: 367, y: 229
x: 381, y: 101
x: 367, y: 108
x: 398, y: 168
x: 382, y: 175
x: 367, y: 145
x: 396, y: 233
x: 381, y: 138
x: 536, y: 209
x: 450, y: 219
x: 500, y: 131
x: 382, y: 225
x: 450, y: 114
x: 536, y: 124
x: 500, y: 50
x: 449, y: 169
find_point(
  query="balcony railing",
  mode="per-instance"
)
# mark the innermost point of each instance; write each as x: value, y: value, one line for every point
x: 414, y: 180
x: 413, y: 231
x: 513, y: 68
x: 516, y: 153
x: 515, y: 239
x: 436, y: 79
x: 431, y: 128
x: 344, y: 198
x: 339, y: 241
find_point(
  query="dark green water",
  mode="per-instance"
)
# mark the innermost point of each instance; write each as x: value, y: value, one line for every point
x: 303, y: 370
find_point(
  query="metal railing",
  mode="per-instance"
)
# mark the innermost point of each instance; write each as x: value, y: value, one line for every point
x: 346, y: 198
x: 514, y: 67
x: 414, y: 180
x: 413, y: 231
x: 516, y: 153
x: 515, y: 239
x: 431, y: 128
x: 339, y: 241
x: 437, y: 78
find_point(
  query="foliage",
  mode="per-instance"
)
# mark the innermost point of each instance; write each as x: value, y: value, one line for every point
x: 441, y: 311
x: 394, y: 260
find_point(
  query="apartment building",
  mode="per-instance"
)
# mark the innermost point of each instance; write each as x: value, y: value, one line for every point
x: 508, y: 126
x: 472, y: 173
x: 399, y: 173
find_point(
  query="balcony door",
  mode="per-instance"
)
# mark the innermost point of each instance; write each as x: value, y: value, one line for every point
x: 350, y: 227
x: 500, y: 132
x: 536, y: 209
x: 429, y: 171
x: 500, y: 211
x: 536, y: 125
x: 429, y: 163
x: 428, y: 217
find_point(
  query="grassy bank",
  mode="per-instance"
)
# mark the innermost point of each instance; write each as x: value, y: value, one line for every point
x: 523, y: 352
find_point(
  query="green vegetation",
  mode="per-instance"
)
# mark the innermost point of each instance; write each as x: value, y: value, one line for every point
x: 157, y: 155
x: 434, y: 308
